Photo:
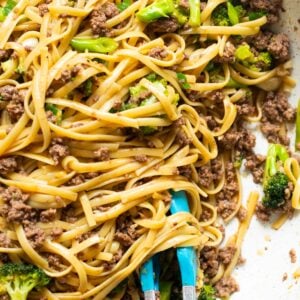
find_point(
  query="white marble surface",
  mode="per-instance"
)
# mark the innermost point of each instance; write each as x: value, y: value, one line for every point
x: 267, y: 250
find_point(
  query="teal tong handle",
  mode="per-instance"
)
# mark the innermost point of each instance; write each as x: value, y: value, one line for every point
x: 149, y: 275
x: 186, y: 255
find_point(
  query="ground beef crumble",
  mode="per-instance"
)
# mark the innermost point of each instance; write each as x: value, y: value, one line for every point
x: 35, y: 235
x: 58, y: 150
x: 164, y: 25
x: 226, y: 254
x: 102, y: 154
x: 209, y: 261
x: 228, y: 54
x: 8, y: 165
x: 100, y: 15
x: 126, y: 232
x: 226, y: 286
x: 255, y: 164
x: 293, y: 256
x: 226, y: 203
x: 158, y: 53
x: 210, y: 173
x: 48, y: 215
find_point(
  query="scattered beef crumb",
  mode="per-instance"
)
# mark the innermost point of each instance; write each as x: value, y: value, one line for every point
x: 164, y: 25
x: 142, y: 158
x: 255, y: 164
x: 5, y: 241
x: 58, y: 150
x: 242, y: 214
x: 54, y: 260
x: 126, y: 232
x: 102, y: 154
x: 109, y: 265
x: 84, y: 236
x: 262, y: 213
x: 293, y: 256
x: 182, y: 139
x: 228, y: 54
x: 209, y: 261
x: 8, y: 165
x: 285, y: 276
x: 100, y: 15
x: 186, y: 171
x: 43, y: 9
x: 158, y: 53
x: 226, y: 286
x: 226, y: 254
x: 35, y: 235
x: 48, y: 215
x: 56, y: 233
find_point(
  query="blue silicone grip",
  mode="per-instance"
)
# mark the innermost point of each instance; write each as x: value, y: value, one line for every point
x: 186, y: 255
x: 149, y: 275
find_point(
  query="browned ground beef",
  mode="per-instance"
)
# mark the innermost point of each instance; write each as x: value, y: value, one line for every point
x: 164, y: 25
x: 109, y: 265
x: 242, y: 214
x: 43, y: 9
x: 5, y: 241
x: 48, y: 215
x: 182, y: 139
x: 4, y: 55
x: 226, y: 254
x: 35, y: 235
x: 142, y: 158
x: 207, y: 174
x: 262, y: 213
x: 255, y: 164
x: 228, y: 55
x: 226, y: 286
x: 209, y: 261
x: 158, y: 53
x: 276, y: 110
x: 277, y: 44
x: 126, y: 232
x: 58, y: 150
x: 293, y: 255
x: 100, y: 15
x: 226, y: 202
x: 8, y: 165
x: 102, y: 154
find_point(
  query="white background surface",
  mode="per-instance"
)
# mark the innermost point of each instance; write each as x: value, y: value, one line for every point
x: 266, y: 250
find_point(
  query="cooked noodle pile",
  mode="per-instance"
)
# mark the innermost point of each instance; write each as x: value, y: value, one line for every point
x: 91, y: 143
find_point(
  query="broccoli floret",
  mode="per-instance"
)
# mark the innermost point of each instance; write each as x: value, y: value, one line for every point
x: 207, y: 293
x: 253, y: 15
x: 274, y: 190
x: 256, y: 62
x: 227, y: 15
x: 264, y: 59
x: 19, y: 279
x: 275, y: 181
x: 220, y: 16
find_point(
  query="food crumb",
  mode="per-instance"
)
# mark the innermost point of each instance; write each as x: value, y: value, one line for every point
x: 296, y: 274
x: 285, y: 276
x: 293, y: 256
x: 267, y: 238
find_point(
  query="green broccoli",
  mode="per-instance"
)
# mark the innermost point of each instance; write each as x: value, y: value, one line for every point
x: 183, y: 81
x: 124, y: 4
x: 99, y: 45
x: 220, y: 16
x: 253, y: 15
x: 55, y: 111
x: 5, y: 10
x: 227, y: 15
x: 19, y: 279
x: 171, y: 8
x: 165, y: 288
x: 207, y: 293
x: 275, y: 181
x: 261, y: 61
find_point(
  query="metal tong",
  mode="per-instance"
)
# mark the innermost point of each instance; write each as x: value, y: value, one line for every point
x: 149, y: 274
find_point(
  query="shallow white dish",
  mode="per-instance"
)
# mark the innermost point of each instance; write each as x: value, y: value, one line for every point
x: 266, y: 250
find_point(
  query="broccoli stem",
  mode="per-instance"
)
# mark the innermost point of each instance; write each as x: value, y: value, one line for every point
x: 232, y: 14
x: 99, y: 45
x: 157, y: 10
x: 194, y: 19
x: 297, y: 140
x: 165, y: 288
x: 276, y: 152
